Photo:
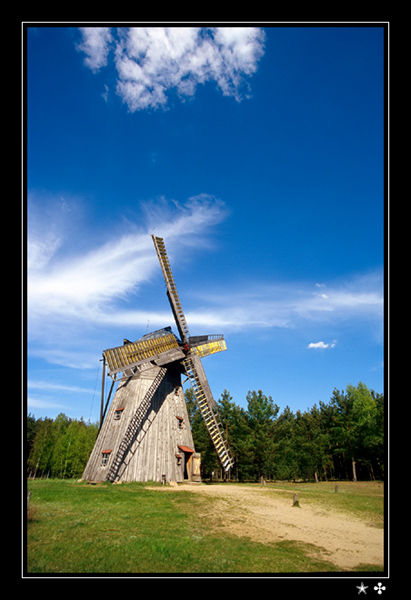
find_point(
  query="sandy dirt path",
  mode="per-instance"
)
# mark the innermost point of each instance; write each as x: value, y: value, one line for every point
x: 266, y: 515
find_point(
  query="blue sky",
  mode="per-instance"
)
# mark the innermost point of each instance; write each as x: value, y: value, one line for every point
x: 257, y: 153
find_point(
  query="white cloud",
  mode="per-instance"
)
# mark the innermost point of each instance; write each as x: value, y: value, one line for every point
x: 41, y: 403
x: 317, y: 345
x: 292, y: 305
x: 64, y: 350
x: 321, y: 345
x: 41, y: 248
x: 96, y: 46
x: 151, y: 61
x: 47, y: 386
x: 82, y: 288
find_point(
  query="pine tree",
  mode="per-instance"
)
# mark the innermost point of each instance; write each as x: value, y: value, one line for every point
x: 261, y: 414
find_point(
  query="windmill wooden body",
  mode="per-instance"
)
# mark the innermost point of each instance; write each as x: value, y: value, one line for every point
x: 146, y: 434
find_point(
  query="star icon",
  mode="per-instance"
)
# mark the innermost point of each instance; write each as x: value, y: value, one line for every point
x: 362, y: 588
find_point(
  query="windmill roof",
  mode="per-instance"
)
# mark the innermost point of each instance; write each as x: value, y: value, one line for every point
x: 156, y: 334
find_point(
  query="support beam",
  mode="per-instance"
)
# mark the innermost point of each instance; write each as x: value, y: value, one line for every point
x: 102, y: 391
x: 106, y: 406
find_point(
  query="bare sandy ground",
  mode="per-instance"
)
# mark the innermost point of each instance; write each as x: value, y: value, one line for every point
x: 266, y: 516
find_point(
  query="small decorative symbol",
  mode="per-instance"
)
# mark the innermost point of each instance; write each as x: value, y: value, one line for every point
x: 362, y: 588
x: 380, y: 588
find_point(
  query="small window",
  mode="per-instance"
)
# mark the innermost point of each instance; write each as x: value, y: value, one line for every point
x: 105, y: 455
x: 180, y: 422
x: 117, y: 414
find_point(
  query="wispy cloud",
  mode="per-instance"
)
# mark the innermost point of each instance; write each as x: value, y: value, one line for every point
x: 81, y: 288
x: 73, y: 297
x: 40, y: 403
x: 270, y: 304
x: 46, y: 386
x: 151, y: 61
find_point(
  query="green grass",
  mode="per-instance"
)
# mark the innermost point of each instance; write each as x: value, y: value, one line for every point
x: 78, y: 528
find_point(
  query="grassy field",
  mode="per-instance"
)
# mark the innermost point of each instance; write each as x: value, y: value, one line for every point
x: 73, y: 527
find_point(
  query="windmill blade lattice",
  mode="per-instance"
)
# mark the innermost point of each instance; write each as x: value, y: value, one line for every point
x: 171, y: 289
x: 195, y: 372
x: 135, y: 354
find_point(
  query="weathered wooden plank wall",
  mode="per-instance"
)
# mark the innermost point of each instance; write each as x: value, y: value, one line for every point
x: 153, y: 450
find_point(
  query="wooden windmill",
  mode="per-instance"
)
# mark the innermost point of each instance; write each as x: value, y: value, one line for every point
x: 146, y: 435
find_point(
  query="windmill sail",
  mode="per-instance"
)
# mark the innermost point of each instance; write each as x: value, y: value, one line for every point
x: 196, y: 347
x: 204, y: 345
x: 171, y: 289
x: 195, y: 372
x: 159, y: 349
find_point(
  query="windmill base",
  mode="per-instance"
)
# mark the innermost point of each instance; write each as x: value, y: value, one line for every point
x: 146, y: 435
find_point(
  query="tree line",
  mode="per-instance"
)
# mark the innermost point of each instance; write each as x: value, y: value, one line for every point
x: 58, y: 448
x: 341, y: 439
